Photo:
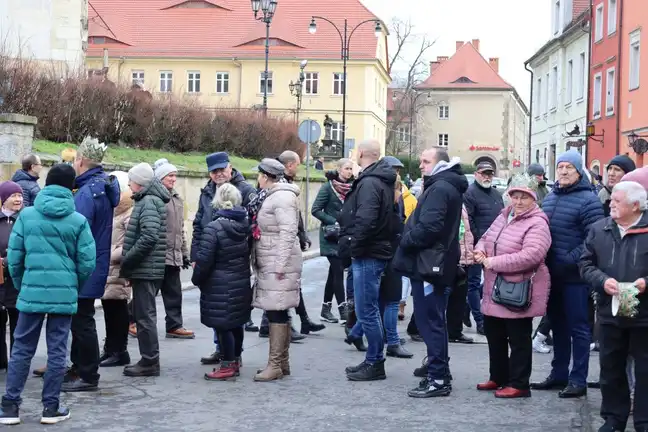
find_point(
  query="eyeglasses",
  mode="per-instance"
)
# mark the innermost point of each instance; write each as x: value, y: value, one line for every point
x: 486, y: 173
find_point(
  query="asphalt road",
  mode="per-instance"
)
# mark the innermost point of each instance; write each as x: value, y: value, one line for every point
x: 317, y: 397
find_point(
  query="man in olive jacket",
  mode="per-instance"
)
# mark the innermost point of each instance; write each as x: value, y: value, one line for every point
x: 144, y: 262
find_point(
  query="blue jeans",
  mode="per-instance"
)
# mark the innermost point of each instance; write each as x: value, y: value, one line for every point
x: 366, y: 286
x: 429, y: 312
x: 568, y: 312
x: 475, y: 292
x: 26, y: 337
x: 390, y: 321
x: 216, y: 340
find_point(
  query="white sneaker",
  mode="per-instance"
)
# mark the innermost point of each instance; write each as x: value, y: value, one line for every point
x: 539, y: 345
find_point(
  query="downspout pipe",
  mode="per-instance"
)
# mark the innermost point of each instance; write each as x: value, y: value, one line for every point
x: 526, y: 66
x: 617, y: 96
x: 588, y: 108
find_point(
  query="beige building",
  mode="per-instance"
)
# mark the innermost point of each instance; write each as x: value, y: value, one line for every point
x: 472, y: 111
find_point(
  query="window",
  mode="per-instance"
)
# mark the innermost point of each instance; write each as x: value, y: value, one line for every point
x: 596, y: 107
x: 548, y: 91
x: 539, y: 96
x: 554, y: 88
x: 635, y: 59
x: 312, y: 83
x: 444, y: 112
x: 556, y: 17
x: 262, y: 82
x: 338, y: 84
x: 598, y: 29
x: 166, y: 82
x: 612, y: 16
x: 537, y: 156
x: 336, y: 132
x: 193, y: 82
x: 570, y: 82
x: 443, y: 140
x: 222, y: 82
x: 137, y: 77
x: 580, y: 81
x: 609, y: 96
x: 402, y: 133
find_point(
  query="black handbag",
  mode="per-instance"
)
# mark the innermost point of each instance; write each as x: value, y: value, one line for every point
x: 430, y: 262
x: 331, y: 232
x: 515, y: 296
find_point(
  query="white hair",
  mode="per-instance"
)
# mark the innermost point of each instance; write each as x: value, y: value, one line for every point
x: 227, y: 197
x: 634, y: 193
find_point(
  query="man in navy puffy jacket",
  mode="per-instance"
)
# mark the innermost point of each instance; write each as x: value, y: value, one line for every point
x: 96, y: 197
x: 572, y: 208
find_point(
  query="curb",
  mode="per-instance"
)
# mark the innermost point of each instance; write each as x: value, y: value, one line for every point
x: 188, y: 286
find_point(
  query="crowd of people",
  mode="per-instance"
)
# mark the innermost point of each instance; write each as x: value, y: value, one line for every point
x: 458, y: 249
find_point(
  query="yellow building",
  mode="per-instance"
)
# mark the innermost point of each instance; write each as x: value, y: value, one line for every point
x: 212, y: 51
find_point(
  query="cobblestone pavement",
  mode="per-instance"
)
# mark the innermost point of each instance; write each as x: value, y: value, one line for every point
x: 317, y: 397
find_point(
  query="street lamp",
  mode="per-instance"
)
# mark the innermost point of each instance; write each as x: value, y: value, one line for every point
x: 297, y: 87
x: 267, y: 9
x: 412, y: 97
x: 345, y: 39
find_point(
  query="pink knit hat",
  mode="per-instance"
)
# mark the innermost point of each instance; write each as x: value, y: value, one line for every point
x: 640, y: 175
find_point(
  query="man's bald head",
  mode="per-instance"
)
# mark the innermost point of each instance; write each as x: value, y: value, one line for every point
x: 290, y: 160
x: 368, y: 152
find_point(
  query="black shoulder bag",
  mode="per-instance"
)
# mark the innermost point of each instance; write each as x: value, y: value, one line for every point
x: 515, y: 296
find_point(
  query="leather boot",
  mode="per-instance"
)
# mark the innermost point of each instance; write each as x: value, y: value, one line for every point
x: 279, y: 335
x: 285, y: 358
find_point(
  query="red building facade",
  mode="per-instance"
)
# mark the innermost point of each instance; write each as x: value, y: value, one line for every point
x: 604, y: 83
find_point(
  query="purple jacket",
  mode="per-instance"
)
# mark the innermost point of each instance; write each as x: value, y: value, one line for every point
x: 522, y: 246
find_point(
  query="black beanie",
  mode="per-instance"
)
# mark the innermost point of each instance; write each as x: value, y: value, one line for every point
x: 61, y: 175
x: 624, y: 162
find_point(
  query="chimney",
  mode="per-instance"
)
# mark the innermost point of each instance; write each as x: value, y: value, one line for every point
x: 433, y: 66
x: 459, y: 44
x: 475, y: 43
x: 494, y: 63
x: 441, y: 59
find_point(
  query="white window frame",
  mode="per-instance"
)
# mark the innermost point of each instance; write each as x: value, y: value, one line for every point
x: 166, y: 77
x: 580, y: 82
x: 612, y: 17
x: 336, y: 131
x: 222, y: 80
x: 137, y: 77
x: 443, y: 112
x: 193, y: 81
x: 634, y: 59
x: 545, y: 108
x: 553, y: 97
x: 402, y: 133
x: 443, y: 140
x: 338, y: 80
x: 569, y: 88
x: 598, y: 23
x: 262, y: 80
x: 311, y: 82
x: 610, y: 94
x: 597, y: 97
x: 538, y: 96
x: 556, y: 17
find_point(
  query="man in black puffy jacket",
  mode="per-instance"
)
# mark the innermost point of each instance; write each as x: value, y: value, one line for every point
x: 429, y: 255
x: 483, y: 204
x: 365, y: 237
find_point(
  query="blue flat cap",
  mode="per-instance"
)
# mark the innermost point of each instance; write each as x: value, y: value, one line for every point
x: 217, y: 160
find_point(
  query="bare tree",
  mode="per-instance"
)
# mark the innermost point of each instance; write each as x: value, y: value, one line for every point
x: 410, y: 52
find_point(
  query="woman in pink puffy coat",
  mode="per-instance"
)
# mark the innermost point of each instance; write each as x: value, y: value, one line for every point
x: 515, y: 247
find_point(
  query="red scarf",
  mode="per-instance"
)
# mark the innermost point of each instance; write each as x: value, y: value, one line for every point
x: 341, y: 188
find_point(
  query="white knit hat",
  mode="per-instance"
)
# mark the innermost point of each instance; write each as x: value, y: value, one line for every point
x: 142, y: 174
x: 163, y: 168
x: 122, y: 178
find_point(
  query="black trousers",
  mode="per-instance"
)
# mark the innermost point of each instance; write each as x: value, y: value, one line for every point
x: 116, y: 316
x: 616, y: 343
x: 544, y: 327
x: 230, y: 342
x: 412, y: 329
x: 514, y: 370
x: 457, y: 306
x: 84, y: 352
x: 145, y: 314
x: 278, y: 317
x: 171, y: 288
x: 10, y: 315
x: 334, y: 281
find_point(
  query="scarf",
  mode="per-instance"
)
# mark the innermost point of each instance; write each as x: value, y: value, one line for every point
x: 341, y: 189
x: 8, y: 212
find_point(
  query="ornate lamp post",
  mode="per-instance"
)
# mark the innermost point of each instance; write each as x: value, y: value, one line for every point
x: 267, y: 9
x: 412, y: 98
x: 297, y: 87
x: 345, y: 39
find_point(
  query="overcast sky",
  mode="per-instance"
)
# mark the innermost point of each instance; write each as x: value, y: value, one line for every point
x: 512, y: 30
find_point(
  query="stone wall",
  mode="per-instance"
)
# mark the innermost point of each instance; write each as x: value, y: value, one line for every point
x: 16, y: 138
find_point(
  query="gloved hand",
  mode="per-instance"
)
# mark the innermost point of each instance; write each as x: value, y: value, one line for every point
x: 306, y: 245
x: 186, y: 263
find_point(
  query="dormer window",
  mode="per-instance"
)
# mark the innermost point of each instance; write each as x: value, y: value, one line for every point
x: 463, y: 80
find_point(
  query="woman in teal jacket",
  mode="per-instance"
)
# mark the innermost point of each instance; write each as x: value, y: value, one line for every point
x: 51, y: 254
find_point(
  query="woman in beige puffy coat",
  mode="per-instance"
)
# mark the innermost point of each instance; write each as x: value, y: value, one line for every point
x: 277, y: 261
x: 118, y: 290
